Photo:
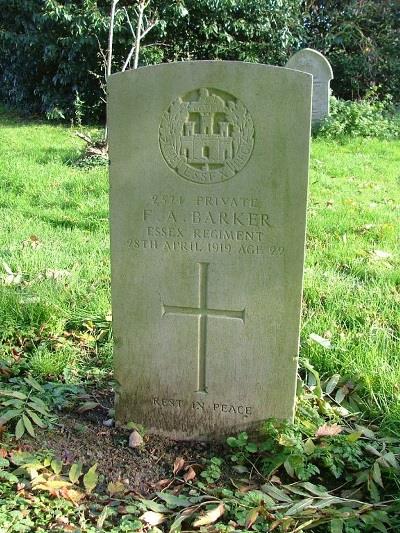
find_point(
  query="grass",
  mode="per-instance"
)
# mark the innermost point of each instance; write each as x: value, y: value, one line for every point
x: 55, y: 325
x: 54, y: 256
x: 54, y: 232
x: 352, y: 276
x: 55, y: 235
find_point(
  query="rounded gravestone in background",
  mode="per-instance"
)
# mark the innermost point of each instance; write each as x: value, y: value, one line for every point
x: 313, y: 62
x: 206, y: 136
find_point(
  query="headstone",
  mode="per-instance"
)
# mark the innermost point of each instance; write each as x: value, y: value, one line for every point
x: 208, y: 170
x: 315, y: 63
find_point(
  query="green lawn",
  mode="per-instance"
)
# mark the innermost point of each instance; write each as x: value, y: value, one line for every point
x: 54, y: 232
x: 352, y: 276
x: 55, y: 325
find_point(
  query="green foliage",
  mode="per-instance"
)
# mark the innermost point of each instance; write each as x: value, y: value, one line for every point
x: 24, y: 407
x: 361, y: 499
x: 365, y: 118
x: 52, y: 53
x: 350, y: 298
x: 316, y: 447
x: 361, y: 42
x: 212, y: 472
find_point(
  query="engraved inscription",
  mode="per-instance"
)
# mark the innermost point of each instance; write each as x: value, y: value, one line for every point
x: 233, y: 225
x: 206, y: 136
x: 201, y: 406
x: 202, y: 312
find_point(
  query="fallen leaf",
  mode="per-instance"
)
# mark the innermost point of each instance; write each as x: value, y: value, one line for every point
x: 189, y: 474
x: 332, y: 383
x: 326, y: 343
x: 341, y: 394
x: 152, y: 505
x: 161, y: 484
x: 33, y: 242
x: 380, y: 254
x: 116, y: 487
x: 178, y: 465
x: 51, y: 485
x: 56, y: 274
x: 153, y: 518
x: 87, y: 406
x: 276, y: 479
x: 328, y: 431
x: 376, y: 474
x: 366, y: 227
x: 75, y: 472
x: 11, y: 278
x: 210, y: 516
x: 135, y: 439
x: 366, y: 432
x: 90, y: 479
x: 72, y: 494
x: 252, y: 517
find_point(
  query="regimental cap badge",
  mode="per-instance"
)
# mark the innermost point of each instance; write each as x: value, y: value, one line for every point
x: 206, y: 136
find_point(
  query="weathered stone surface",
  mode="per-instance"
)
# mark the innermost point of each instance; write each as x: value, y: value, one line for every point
x: 209, y: 164
x: 313, y: 62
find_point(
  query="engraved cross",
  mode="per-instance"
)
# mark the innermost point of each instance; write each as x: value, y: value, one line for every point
x: 202, y: 312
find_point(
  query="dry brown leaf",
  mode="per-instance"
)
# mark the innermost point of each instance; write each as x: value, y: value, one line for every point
x: 73, y: 495
x: 189, y: 474
x: 276, y: 479
x: 87, y: 406
x: 56, y: 274
x: 10, y: 277
x: 380, y: 254
x: 252, y: 517
x: 33, y: 242
x: 210, y: 516
x: 178, y: 465
x: 245, y: 488
x: 153, y: 518
x: 328, y: 431
x: 115, y: 487
x: 161, y: 484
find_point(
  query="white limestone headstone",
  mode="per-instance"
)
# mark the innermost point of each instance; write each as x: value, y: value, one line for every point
x: 313, y: 62
x: 208, y: 190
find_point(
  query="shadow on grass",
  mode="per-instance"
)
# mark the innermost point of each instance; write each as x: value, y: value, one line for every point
x: 66, y: 156
x: 68, y: 223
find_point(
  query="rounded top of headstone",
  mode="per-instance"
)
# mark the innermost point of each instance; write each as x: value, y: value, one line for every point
x: 311, y: 61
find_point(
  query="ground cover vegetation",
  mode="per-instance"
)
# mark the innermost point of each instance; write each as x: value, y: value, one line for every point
x: 336, y: 469
x: 53, y: 53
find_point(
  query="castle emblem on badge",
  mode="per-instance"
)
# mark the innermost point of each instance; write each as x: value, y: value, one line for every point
x: 207, y: 136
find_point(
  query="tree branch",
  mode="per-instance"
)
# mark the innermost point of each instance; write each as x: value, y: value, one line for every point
x: 111, y: 37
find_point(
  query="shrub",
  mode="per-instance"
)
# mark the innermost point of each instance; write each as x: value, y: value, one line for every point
x: 51, y: 53
x: 361, y: 40
x: 364, y: 118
